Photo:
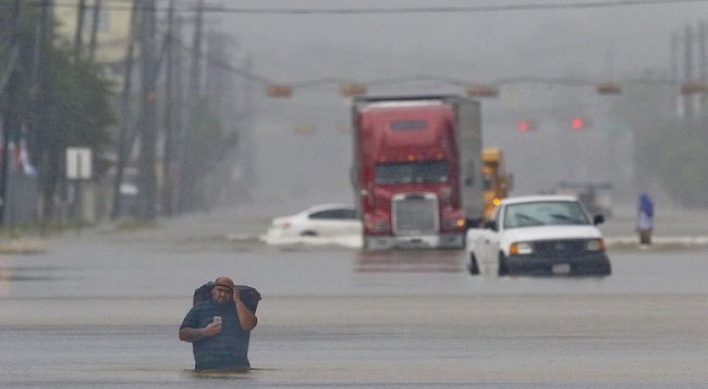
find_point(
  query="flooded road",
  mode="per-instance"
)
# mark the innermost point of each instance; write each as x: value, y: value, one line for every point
x: 101, y: 310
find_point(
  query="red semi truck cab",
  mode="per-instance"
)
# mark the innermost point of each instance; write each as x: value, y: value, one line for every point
x: 411, y: 174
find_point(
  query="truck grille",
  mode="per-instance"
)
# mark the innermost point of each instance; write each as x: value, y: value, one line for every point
x: 415, y: 214
x: 560, y: 248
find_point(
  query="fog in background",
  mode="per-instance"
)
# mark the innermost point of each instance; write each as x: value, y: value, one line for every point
x: 297, y: 151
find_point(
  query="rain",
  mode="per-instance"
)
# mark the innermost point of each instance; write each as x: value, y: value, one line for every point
x: 125, y: 190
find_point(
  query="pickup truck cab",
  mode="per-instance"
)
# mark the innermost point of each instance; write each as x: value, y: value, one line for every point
x: 538, y: 235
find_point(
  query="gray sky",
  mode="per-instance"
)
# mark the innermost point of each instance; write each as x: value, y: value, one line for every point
x: 596, y: 43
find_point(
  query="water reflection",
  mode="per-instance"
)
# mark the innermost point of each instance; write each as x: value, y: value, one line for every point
x: 239, y: 374
x: 403, y: 261
x: 9, y: 275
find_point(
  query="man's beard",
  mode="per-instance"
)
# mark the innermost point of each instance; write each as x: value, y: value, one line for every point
x: 222, y: 301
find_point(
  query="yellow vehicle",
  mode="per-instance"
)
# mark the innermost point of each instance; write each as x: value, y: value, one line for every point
x: 497, y: 181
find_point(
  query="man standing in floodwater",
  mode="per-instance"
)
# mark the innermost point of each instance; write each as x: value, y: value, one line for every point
x: 219, y: 329
x: 645, y: 219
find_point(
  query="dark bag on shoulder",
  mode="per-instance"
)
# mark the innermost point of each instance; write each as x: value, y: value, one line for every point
x: 249, y: 295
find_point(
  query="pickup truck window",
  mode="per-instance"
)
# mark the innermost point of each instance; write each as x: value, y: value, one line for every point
x: 544, y: 213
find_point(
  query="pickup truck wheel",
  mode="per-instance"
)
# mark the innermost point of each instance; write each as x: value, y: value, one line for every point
x: 472, y: 265
x: 503, y: 268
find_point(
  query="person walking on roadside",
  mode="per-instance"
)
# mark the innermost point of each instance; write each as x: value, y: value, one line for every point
x: 645, y: 219
x: 219, y: 329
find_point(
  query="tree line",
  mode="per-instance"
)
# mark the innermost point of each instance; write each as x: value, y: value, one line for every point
x: 53, y: 99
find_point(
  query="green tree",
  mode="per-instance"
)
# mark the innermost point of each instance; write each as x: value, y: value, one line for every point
x: 77, y: 99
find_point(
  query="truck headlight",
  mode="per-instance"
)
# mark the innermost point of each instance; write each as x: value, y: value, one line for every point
x: 521, y: 248
x: 595, y: 245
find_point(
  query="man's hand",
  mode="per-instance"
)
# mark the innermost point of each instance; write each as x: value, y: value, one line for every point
x: 246, y: 318
x: 188, y: 334
x: 211, y: 329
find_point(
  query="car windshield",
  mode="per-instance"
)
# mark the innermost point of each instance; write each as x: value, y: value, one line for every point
x: 544, y: 213
x: 415, y: 172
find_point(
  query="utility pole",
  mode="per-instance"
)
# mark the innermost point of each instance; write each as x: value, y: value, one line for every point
x: 195, y: 73
x: 40, y: 94
x: 167, y: 170
x: 701, y: 69
x: 179, y: 123
x: 676, y: 74
x: 245, y: 139
x: 219, y: 85
x: 94, y: 29
x: 10, y: 121
x: 688, y: 76
x: 223, y: 102
x: 187, y: 189
x: 125, y: 112
x: 147, y: 187
x: 78, y: 34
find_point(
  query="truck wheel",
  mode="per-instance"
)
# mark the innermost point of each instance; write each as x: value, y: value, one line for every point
x: 308, y: 233
x: 503, y: 267
x: 472, y: 265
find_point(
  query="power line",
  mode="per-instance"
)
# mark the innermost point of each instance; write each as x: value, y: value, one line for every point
x: 523, y: 79
x: 111, y: 4
x: 551, y: 6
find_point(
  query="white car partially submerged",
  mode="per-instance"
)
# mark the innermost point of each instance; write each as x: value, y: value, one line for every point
x: 324, y: 220
x: 538, y: 235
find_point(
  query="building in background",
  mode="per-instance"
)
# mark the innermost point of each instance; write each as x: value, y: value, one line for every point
x: 112, y: 31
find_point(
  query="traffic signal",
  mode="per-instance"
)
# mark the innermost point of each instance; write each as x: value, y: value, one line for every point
x: 482, y: 91
x: 352, y: 89
x: 694, y: 87
x: 525, y: 126
x: 577, y: 123
x: 609, y: 88
x: 279, y: 91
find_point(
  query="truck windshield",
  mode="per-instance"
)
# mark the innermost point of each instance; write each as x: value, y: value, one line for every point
x: 544, y: 213
x: 411, y: 172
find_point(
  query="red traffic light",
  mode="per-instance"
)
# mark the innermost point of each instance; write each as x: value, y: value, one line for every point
x: 525, y: 126
x: 577, y: 123
x: 522, y: 126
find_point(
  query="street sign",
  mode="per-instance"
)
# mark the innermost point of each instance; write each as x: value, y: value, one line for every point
x: 78, y: 163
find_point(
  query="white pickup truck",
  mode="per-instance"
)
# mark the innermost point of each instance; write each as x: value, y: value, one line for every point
x: 538, y: 235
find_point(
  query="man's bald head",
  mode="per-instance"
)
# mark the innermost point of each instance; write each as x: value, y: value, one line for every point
x: 223, y: 290
x: 226, y: 282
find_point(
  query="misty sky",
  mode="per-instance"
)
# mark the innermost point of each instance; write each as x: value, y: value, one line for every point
x: 598, y: 44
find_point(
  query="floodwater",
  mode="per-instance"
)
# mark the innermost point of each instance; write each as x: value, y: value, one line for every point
x: 101, y: 309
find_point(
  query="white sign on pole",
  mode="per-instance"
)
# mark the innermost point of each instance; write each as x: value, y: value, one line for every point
x: 78, y: 163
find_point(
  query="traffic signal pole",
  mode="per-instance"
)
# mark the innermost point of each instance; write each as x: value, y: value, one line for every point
x: 125, y: 112
x: 187, y: 191
x: 146, y: 176
x: 10, y: 122
x: 168, y: 115
x: 40, y: 98
x: 94, y: 28
x: 78, y: 34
